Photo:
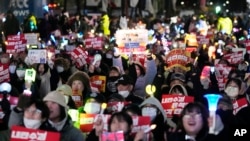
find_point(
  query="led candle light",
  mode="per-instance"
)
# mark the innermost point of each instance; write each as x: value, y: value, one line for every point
x: 152, y: 127
x: 212, y: 106
x: 104, y: 106
x: 150, y: 89
x: 97, y: 57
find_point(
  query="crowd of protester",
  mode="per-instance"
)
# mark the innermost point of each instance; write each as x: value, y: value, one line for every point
x: 44, y: 103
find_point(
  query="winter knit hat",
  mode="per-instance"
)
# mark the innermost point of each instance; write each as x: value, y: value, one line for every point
x: 153, y: 101
x: 66, y: 89
x: 56, y: 97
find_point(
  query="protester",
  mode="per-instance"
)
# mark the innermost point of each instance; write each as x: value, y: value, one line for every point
x: 59, y: 119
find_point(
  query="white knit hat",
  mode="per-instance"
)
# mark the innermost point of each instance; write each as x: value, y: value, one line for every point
x: 66, y: 89
x: 56, y: 97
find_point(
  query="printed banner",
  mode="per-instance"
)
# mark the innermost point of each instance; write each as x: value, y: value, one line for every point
x: 98, y: 82
x: 235, y: 57
x: 202, y: 40
x: 132, y: 40
x: 16, y: 44
x: 19, y: 133
x: 112, y: 136
x: 96, y: 42
x: 178, y: 57
x: 37, y: 56
x: 77, y: 98
x: 173, y: 104
x: 32, y: 38
x: 221, y: 73
x: 4, y: 73
x: 80, y: 56
x: 30, y: 75
x: 239, y: 104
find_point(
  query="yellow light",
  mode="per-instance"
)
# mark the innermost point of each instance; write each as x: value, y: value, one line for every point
x: 104, y: 105
x: 150, y: 89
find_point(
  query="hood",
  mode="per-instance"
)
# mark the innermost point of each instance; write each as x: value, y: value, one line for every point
x: 156, y: 102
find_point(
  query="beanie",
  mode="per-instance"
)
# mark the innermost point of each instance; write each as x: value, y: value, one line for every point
x: 66, y: 89
x: 56, y: 97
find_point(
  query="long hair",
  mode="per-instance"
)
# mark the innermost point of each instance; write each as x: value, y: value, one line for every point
x: 198, y: 108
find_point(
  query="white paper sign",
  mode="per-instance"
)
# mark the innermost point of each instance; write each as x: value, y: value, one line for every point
x: 37, y: 56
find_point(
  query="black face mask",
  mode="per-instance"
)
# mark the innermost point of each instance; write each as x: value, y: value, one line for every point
x: 113, y: 78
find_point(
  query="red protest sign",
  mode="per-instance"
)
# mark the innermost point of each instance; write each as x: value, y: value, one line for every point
x: 77, y: 98
x: 87, y: 122
x: 140, y: 123
x: 178, y: 57
x: 221, y: 74
x: 247, y: 45
x: 19, y: 133
x: 235, y: 57
x: 79, y: 55
x: 112, y: 136
x: 96, y: 42
x: 98, y: 82
x: 239, y: 104
x: 173, y: 104
x: 202, y: 40
x: 4, y: 73
x: 15, y: 43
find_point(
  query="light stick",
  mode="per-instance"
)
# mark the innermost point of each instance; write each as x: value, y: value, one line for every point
x: 104, y: 106
x: 152, y: 127
x: 212, y: 100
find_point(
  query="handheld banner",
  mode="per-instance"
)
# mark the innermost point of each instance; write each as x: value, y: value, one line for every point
x: 19, y: 133
x: 37, y: 56
x: 77, y: 98
x: 4, y: 73
x: 96, y: 42
x: 178, y: 57
x: 79, y: 55
x: 173, y: 104
x: 15, y: 44
x: 239, y: 104
x: 98, y: 82
x: 30, y: 75
x: 112, y: 136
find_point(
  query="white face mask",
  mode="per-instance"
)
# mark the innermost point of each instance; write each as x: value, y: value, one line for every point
x: 20, y: 73
x: 92, y: 108
x: 109, y: 56
x: 124, y: 94
x: 66, y: 99
x: 205, y: 83
x: 12, y: 68
x: 32, y: 123
x: 242, y: 67
x: 149, y: 111
x: 59, y: 69
x: 232, y: 92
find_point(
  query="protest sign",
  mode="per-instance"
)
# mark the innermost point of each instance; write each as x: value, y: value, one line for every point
x: 239, y: 104
x: 37, y: 56
x: 173, y: 104
x: 15, y: 43
x: 98, y: 82
x: 4, y: 73
x: 132, y: 40
x: 178, y: 57
x: 19, y: 133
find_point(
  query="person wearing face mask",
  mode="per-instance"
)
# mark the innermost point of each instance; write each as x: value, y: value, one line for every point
x: 5, y: 59
x: 232, y: 89
x: 114, y: 75
x: 34, y: 116
x: 125, y: 89
x: 93, y: 104
x: 60, y: 72
x: 152, y: 107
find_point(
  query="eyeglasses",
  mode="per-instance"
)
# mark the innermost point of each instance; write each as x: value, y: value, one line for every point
x: 36, y: 111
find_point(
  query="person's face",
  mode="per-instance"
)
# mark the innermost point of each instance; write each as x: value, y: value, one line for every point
x: 77, y: 85
x: 113, y: 73
x: 54, y: 109
x: 119, y: 125
x: 33, y: 113
x: 41, y: 69
x: 192, y: 122
x: 122, y: 87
